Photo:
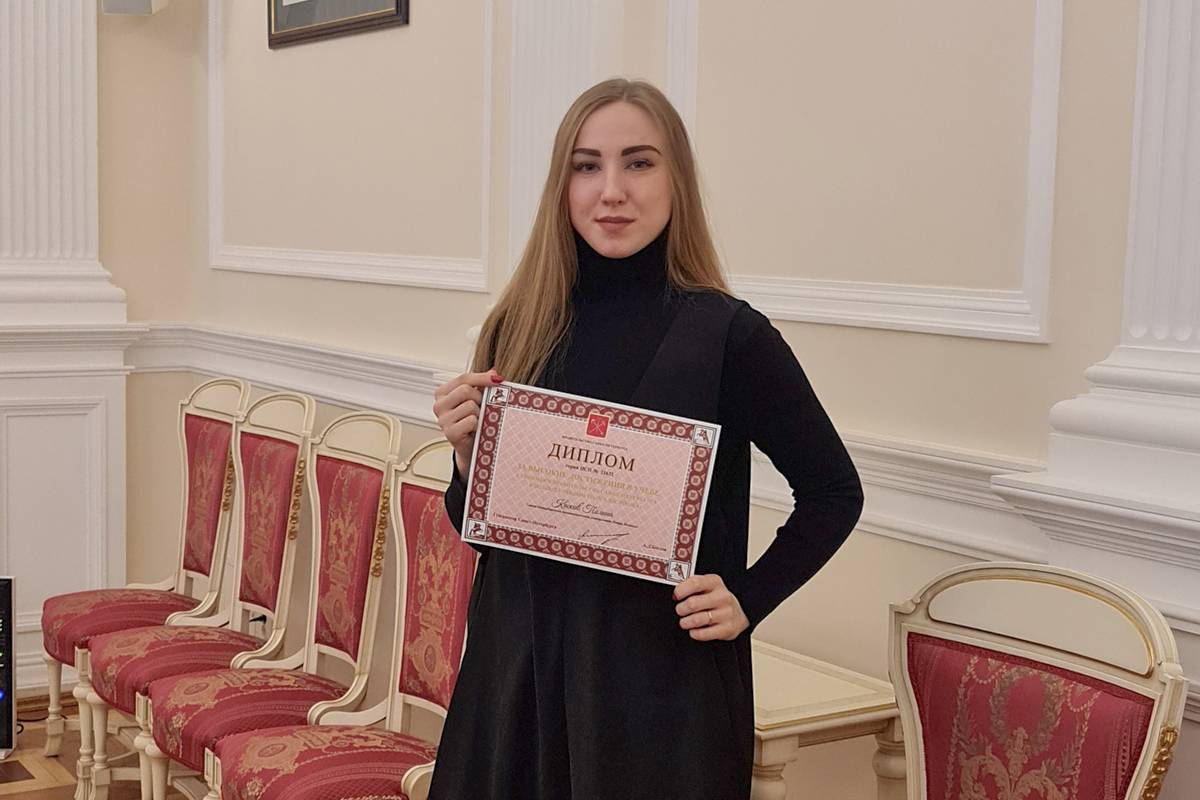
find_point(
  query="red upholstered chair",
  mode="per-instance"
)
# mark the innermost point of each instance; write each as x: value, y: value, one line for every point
x: 1033, y: 682
x: 206, y: 422
x: 271, y: 449
x: 358, y: 761
x: 183, y: 715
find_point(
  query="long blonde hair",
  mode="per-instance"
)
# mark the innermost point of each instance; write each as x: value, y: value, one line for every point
x: 534, y: 311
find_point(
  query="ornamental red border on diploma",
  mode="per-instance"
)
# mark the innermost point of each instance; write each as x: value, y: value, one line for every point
x: 691, y: 504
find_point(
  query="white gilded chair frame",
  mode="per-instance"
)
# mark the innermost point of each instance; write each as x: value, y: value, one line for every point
x: 284, y: 416
x: 366, y: 438
x: 1053, y: 616
x: 288, y: 417
x: 223, y: 399
x: 417, y: 470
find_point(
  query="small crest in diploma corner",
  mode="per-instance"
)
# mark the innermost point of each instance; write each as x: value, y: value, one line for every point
x: 476, y: 529
x: 677, y: 570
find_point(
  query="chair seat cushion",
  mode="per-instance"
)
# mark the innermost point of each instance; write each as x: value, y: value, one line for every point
x: 68, y: 620
x: 318, y: 762
x: 125, y: 662
x: 192, y: 712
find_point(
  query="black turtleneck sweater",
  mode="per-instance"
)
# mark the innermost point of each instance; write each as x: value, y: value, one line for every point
x: 622, y: 309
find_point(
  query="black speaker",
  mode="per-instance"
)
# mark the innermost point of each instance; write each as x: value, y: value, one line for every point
x: 8, y: 685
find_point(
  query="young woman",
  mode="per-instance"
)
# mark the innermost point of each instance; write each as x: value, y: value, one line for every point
x: 579, y: 684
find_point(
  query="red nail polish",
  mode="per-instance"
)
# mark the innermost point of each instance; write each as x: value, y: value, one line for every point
x: 497, y: 379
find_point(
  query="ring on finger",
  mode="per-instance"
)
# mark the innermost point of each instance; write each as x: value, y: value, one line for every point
x: 710, y: 618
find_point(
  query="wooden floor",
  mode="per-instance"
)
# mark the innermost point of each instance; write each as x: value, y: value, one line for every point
x: 30, y: 775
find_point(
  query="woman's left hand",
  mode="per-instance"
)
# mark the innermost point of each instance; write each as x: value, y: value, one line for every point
x: 708, y: 610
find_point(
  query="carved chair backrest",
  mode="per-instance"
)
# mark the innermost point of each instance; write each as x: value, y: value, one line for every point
x: 351, y: 504
x: 207, y: 422
x: 436, y: 573
x: 271, y: 453
x: 1014, y: 678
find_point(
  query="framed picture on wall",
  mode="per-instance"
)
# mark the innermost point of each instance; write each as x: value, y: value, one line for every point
x: 296, y: 21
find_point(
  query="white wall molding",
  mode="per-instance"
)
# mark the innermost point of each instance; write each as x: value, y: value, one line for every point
x: 69, y: 338
x: 334, y: 375
x: 1009, y: 314
x: 559, y: 48
x: 56, y: 520
x: 1006, y: 314
x: 1132, y: 528
x: 948, y: 499
x: 929, y: 495
x: 90, y: 497
x: 683, y: 52
x: 1152, y: 548
x: 934, y: 496
x: 33, y: 291
x: 432, y: 272
x: 425, y: 271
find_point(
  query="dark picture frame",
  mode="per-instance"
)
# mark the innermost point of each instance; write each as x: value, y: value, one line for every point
x: 322, y: 23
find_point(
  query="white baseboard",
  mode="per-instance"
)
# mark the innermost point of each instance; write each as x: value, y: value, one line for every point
x: 31, y: 676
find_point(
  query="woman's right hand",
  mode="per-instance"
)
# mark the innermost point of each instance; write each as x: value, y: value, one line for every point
x: 456, y: 406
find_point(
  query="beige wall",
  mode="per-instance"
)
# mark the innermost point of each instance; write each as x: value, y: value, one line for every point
x: 398, y: 117
x: 154, y: 484
x: 356, y: 144
x: 151, y: 142
x: 837, y: 142
x: 889, y: 146
x: 884, y: 146
x: 835, y: 192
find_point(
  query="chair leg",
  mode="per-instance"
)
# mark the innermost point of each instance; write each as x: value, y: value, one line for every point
x: 56, y: 724
x: 212, y: 775
x: 100, y: 770
x: 143, y: 739
x: 83, y: 768
x: 159, y: 765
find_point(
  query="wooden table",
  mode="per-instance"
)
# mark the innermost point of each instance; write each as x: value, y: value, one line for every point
x: 800, y: 701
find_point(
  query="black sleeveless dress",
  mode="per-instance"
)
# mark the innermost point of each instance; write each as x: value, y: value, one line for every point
x: 579, y: 684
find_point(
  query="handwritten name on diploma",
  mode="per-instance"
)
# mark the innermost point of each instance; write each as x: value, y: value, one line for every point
x: 607, y: 486
x: 587, y: 508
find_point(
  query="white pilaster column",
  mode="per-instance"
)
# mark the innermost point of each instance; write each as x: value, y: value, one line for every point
x: 49, y: 221
x: 1121, y: 493
x: 559, y: 48
x: 62, y: 323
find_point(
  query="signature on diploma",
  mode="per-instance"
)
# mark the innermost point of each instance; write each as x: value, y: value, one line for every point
x: 581, y: 507
x: 607, y: 538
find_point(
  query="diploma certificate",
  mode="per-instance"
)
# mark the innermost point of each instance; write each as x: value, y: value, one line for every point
x: 603, y: 485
